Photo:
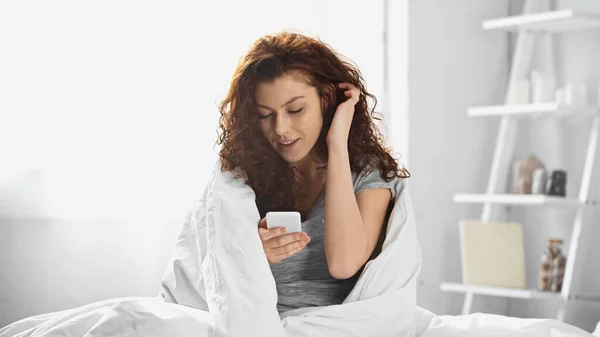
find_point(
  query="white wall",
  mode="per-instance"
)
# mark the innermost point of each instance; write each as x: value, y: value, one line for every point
x: 107, y: 125
x: 454, y: 64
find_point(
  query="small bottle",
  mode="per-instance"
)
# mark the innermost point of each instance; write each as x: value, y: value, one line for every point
x: 540, y: 179
x: 557, y: 183
x: 559, y: 262
x: 545, y: 272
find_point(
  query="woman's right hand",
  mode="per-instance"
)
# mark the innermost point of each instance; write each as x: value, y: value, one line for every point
x: 277, y: 245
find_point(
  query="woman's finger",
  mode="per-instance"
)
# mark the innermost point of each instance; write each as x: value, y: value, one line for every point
x: 284, y: 256
x: 345, y: 85
x: 268, y: 234
x: 262, y: 223
x: 282, y: 250
x: 283, y: 240
x: 352, y: 94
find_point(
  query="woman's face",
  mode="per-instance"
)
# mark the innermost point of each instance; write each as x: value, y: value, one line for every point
x: 291, y: 116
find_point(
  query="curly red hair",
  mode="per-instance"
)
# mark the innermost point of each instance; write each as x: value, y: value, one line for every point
x: 245, y: 150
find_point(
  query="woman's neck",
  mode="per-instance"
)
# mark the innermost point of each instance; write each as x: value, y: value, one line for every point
x: 311, y: 175
x: 310, y: 168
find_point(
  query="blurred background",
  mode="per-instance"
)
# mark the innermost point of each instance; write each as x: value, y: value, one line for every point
x: 108, y: 122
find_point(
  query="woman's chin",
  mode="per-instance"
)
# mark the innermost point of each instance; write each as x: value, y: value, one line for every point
x: 290, y: 159
x: 293, y: 158
x: 296, y: 155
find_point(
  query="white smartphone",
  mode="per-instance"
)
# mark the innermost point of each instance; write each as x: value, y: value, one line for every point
x: 289, y: 220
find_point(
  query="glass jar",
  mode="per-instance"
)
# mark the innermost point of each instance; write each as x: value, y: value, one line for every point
x: 552, y: 267
x: 558, y: 265
x: 545, y: 272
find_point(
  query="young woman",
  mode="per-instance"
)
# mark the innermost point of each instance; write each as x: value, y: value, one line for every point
x: 297, y: 124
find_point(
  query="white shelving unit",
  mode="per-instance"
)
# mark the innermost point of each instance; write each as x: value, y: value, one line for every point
x: 520, y: 200
x: 499, y: 292
x: 528, y: 294
x: 547, y: 21
x: 532, y: 110
x: 535, y: 22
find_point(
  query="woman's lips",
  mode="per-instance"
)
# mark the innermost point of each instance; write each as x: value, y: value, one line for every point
x: 288, y: 144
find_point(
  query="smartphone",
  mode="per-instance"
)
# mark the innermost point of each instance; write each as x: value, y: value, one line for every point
x: 289, y: 220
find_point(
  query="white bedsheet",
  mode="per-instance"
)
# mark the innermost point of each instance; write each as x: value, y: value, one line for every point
x: 488, y: 325
x: 219, y: 284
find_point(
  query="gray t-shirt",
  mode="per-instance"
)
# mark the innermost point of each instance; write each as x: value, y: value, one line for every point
x: 303, y: 279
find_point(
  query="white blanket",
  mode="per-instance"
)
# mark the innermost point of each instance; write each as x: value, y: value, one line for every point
x: 219, y: 284
x: 219, y: 265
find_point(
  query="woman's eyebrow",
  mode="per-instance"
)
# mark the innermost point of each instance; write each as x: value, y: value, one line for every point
x: 290, y: 101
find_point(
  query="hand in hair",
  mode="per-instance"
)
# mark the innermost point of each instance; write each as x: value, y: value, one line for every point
x: 342, y: 120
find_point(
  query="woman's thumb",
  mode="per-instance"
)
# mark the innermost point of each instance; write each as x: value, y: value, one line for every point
x: 262, y: 223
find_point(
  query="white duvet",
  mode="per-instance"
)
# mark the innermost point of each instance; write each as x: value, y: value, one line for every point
x: 219, y: 284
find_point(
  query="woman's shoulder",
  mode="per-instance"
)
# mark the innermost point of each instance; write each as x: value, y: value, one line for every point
x: 369, y: 173
x: 371, y: 178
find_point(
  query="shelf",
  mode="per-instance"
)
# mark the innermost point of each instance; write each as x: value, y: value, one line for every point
x: 499, y: 292
x: 532, y: 110
x: 550, y: 22
x: 518, y: 200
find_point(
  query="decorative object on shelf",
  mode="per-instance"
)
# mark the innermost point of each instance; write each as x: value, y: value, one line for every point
x: 523, y: 174
x: 559, y: 262
x: 540, y: 179
x: 545, y: 272
x: 558, y: 183
x: 521, y: 92
x: 552, y: 267
x: 543, y: 87
x: 492, y: 254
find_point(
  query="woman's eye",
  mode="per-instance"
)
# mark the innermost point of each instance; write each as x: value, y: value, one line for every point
x: 265, y: 116
x: 295, y: 111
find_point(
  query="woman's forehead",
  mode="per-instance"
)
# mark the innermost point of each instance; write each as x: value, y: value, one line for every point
x: 283, y: 87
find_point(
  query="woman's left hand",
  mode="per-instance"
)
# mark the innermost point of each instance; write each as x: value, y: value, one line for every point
x: 340, y: 126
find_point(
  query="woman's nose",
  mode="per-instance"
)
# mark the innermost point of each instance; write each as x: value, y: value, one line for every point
x: 282, y: 124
